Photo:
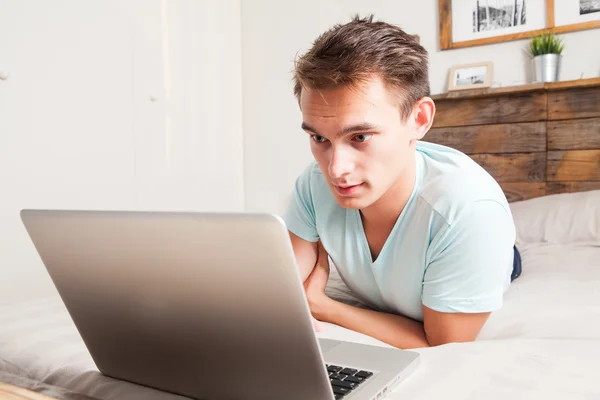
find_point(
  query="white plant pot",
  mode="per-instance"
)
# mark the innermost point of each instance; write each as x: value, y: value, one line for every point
x: 547, y: 67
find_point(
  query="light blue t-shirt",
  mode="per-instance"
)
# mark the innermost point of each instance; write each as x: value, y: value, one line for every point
x: 451, y: 249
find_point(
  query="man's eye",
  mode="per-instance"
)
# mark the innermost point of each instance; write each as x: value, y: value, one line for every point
x: 318, y: 139
x: 363, y: 137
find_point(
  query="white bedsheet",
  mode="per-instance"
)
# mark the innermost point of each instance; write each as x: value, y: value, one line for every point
x: 543, y: 344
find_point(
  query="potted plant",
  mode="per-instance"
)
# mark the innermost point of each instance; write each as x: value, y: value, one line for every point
x: 546, y: 50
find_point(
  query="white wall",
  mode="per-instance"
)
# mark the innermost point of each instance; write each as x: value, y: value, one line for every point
x: 115, y: 104
x: 187, y: 54
x: 273, y: 31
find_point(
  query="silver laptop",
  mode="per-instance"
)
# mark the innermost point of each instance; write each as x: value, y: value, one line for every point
x: 205, y: 305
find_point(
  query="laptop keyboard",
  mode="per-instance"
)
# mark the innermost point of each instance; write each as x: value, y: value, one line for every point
x: 345, y: 380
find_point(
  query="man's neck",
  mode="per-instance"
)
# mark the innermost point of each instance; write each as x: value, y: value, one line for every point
x: 386, y: 210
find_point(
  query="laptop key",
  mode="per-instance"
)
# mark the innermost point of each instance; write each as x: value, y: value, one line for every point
x: 340, y: 390
x: 334, y: 368
x: 363, y: 374
x: 347, y: 385
x: 353, y: 379
x: 348, y: 371
x: 338, y: 376
x: 339, y: 396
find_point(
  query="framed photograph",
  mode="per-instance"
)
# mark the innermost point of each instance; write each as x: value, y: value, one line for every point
x: 579, y: 13
x: 470, y: 76
x: 589, y: 7
x: 466, y: 23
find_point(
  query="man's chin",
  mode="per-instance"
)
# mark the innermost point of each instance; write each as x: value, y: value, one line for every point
x: 352, y: 202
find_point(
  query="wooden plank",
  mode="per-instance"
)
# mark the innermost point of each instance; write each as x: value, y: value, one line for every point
x: 529, y: 87
x: 574, y: 165
x: 574, y: 103
x: 572, y: 187
x: 576, y: 83
x: 581, y: 26
x: 12, y: 392
x: 517, y: 191
x: 549, y: 13
x: 528, y: 107
x: 504, y: 138
x: 519, y: 167
x: 575, y: 134
x: 445, y: 22
x: 487, y: 92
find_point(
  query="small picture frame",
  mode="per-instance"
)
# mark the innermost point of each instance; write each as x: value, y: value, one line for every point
x: 470, y: 76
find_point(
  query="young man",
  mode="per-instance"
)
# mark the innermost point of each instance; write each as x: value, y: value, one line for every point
x: 420, y: 232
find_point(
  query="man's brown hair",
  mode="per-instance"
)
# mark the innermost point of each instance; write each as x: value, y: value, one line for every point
x: 352, y: 53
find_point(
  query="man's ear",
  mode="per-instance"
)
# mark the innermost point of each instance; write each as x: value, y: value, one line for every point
x: 423, y: 114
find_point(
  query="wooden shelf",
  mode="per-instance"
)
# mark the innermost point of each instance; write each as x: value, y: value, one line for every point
x: 532, y: 87
x: 533, y: 139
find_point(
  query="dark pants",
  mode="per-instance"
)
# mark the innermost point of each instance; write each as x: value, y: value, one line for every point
x: 516, y: 265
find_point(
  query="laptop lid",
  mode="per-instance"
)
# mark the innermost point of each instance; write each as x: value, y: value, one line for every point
x: 207, y: 305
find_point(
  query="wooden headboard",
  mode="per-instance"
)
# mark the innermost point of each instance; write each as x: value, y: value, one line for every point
x: 533, y: 139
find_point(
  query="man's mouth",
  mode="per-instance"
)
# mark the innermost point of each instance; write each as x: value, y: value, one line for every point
x: 347, y: 190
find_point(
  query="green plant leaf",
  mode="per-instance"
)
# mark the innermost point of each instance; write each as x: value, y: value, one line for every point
x: 546, y: 43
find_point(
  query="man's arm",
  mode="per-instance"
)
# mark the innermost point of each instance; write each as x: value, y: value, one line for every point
x: 437, y: 327
x: 306, y: 255
x: 455, y: 305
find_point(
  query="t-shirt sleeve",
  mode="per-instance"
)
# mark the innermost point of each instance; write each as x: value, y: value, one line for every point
x: 300, y: 213
x: 471, y: 261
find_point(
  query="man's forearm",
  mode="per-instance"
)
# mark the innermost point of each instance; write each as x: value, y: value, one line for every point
x: 394, y: 330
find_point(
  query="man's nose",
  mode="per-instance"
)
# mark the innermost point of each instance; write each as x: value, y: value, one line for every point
x: 340, y: 164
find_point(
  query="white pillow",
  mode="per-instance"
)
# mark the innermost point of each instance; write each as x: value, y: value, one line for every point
x: 559, y: 219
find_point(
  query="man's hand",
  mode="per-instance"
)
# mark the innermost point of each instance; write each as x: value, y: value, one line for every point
x: 315, y: 284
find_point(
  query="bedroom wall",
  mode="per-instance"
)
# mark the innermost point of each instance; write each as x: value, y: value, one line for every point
x: 115, y: 104
x: 275, y: 149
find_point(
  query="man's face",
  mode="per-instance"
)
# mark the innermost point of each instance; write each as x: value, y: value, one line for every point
x: 358, y: 139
